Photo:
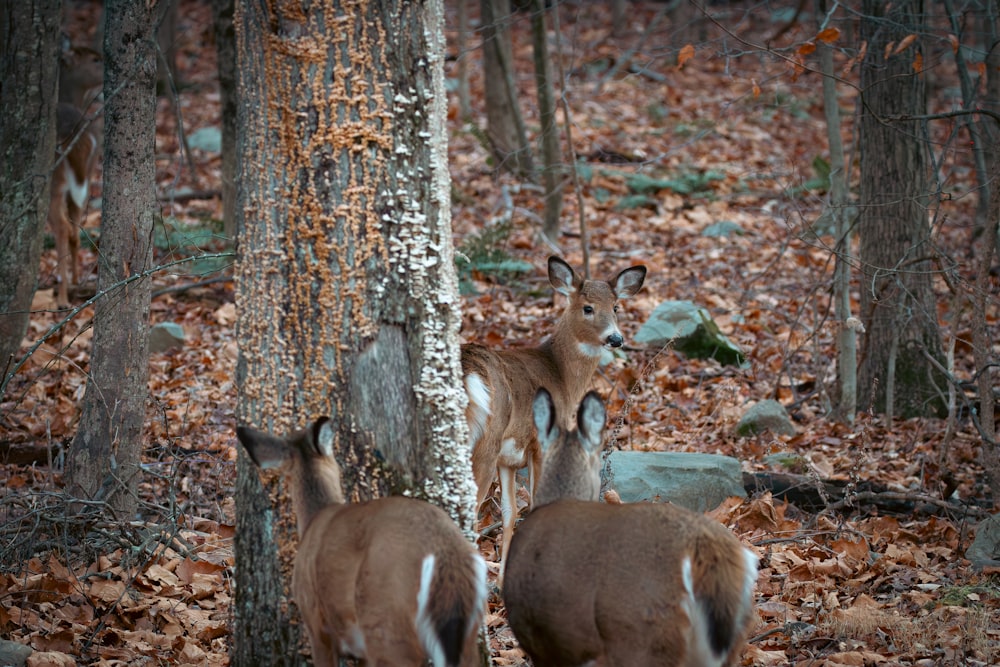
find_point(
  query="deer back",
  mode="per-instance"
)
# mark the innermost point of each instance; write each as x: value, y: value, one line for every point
x: 620, y: 584
x: 392, y: 581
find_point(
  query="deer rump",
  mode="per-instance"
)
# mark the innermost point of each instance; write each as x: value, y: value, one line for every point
x: 621, y: 581
x: 369, y: 552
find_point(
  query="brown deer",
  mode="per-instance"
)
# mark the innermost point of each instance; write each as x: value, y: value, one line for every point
x: 81, y: 71
x: 639, y: 584
x: 390, y: 582
x: 502, y: 383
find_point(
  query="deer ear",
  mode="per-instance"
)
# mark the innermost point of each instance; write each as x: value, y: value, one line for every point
x: 264, y: 449
x: 323, y: 436
x: 562, y: 276
x: 545, y: 418
x: 629, y: 281
x: 590, y: 420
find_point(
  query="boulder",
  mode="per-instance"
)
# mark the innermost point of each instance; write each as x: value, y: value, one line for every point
x: 722, y: 229
x: 699, y: 482
x: 766, y: 415
x: 984, y: 552
x: 165, y: 336
x: 13, y: 654
x: 690, y: 329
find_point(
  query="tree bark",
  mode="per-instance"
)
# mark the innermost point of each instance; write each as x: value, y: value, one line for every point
x: 29, y: 74
x: 104, y: 460
x: 505, y: 126
x: 982, y: 345
x: 225, y: 46
x: 347, y: 294
x: 847, y: 343
x: 897, y: 301
x: 551, y: 155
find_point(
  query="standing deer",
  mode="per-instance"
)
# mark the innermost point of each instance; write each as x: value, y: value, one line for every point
x: 502, y: 383
x: 590, y: 583
x: 80, y: 72
x: 391, y: 582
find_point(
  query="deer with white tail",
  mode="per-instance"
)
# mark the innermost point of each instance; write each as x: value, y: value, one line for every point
x: 81, y: 72
x: 391, y: 582
x: 502, y: 383
x: 591, y: 583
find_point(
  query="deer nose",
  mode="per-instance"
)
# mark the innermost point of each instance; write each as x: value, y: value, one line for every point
x: 614, y: 340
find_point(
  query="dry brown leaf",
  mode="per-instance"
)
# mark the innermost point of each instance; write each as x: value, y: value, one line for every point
x: 904, y: 44
x: 685, y: 54
x: 50, y: 659
x: 829, y: 35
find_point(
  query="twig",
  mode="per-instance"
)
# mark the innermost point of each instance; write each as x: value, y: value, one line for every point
x: 174, y: 289
x: 76, y: 311
x: 626, y: 58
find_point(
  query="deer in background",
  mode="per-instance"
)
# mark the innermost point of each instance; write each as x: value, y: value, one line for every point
x: 639, y: 584
x: 501, y: 383
x: 390, y: 582
x: 81, y: 71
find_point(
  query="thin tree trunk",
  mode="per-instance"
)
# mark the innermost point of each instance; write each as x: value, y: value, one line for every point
x: 897, y: 301
x: 982, y: 346
x: 29, y: 73
x: 506, y: 130
x: 347, y: 293
x: 461, y: 48
x: 847, y: 346
x: 551, y: 155
x: 104, y: 461
x: 225, y: 46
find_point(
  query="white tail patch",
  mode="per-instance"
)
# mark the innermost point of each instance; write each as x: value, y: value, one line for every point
x: 479, y: 402
x: 698, y: 650
x: 482, y: 591
x: 426, y: 631
x: 79, y: 189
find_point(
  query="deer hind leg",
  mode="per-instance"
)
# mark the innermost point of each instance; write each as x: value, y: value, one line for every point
x: 73, y: 243
x: 58, y: 225
x: 508, y: 511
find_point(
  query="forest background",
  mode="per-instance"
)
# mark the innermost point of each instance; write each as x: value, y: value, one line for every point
x: 680, y: 121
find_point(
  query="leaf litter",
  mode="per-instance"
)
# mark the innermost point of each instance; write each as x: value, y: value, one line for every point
x: 843, y: 585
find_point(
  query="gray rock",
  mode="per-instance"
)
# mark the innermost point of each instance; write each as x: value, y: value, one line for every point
x: 165, y: 336
x: 699, y: 482
x: 13, y: 654
x: 691, y: 330
x: 208, y: 139
x: 787, y: 460
x: 767, y: 415
x: 722, y: 229
x: 985, y: 549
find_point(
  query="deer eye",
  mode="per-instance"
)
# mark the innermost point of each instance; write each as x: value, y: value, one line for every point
x: 588, y: 310
x: 616, y: 307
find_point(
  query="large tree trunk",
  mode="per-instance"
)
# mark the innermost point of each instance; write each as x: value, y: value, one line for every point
x: 29, y: 73
x: 897, y: 301
x: 104, y: 461
x: 347, y: 294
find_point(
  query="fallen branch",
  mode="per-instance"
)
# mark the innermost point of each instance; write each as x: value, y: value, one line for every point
x: 813, y: 494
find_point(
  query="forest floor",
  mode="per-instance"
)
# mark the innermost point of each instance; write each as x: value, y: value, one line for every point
x: 739, y: 134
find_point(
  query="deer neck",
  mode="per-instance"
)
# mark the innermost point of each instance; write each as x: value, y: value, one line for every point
x: 314, y: 494
x: 576, y: 362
